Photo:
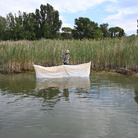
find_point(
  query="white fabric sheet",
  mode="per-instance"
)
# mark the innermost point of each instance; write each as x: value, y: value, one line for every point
x: 81, y: 70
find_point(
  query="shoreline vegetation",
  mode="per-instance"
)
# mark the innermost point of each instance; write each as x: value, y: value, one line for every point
x: 117, y: 54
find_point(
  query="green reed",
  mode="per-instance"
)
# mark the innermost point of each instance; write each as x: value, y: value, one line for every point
x: 16, y: 56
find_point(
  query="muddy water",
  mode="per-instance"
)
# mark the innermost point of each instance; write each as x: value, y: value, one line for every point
x: 101, y: 106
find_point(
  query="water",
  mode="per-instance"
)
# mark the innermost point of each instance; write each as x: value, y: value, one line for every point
x: 102, y: 106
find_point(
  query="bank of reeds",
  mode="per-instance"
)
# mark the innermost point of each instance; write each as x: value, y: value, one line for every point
x: 18, y: 56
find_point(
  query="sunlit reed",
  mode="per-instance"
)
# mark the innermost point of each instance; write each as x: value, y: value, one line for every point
x: 107, y: 54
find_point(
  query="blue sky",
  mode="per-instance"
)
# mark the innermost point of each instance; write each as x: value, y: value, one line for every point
x: 121, y: 13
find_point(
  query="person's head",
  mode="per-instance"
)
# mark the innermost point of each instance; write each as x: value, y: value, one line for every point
x: 67, y: 51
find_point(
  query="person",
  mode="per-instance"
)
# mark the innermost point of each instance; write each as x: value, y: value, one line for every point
x: 65, y: 57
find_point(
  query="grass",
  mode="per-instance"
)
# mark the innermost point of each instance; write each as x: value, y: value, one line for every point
x: 107, y: 54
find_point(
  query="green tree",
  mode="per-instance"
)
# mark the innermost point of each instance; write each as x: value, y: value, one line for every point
x: 66, y: 33
x: 44, y: 23
x: 29, y: 26
x: 7, y: 34
x: 17, y: 32
x: 10, y: 23
x: 85, y: 28
x: 116, y: 32
x: 46, y: 30
x: 97, y: 34
x: 13, y: 28
x: 104, y: 29
x: 38, y: 25
x: 10, y: 20
x: 2, y: 27
x: 19, y: 18
x: 48, y: 15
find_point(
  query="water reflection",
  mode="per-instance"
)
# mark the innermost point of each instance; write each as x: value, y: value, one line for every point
x: 17, y: 83
x: 63, y: 83
x: 66, y: 94
x: 118, y: 83
x: 54, y: 89
x: 100, y: 106
x: 49, y: 97
x: 136, y: 93
x: 27, y: 85
x: 49, y: 91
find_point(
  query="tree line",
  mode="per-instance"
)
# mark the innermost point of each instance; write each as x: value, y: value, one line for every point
x: 45, y: 23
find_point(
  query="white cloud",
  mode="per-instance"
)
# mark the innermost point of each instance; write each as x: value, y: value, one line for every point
x: 71, y: 6
x: 128, y: 24
x: 74, y: 6
x: 122, y: 13
x: 14, y: 6
x: 64, y: 24
x: 61, y: 5
x: 125, y: 16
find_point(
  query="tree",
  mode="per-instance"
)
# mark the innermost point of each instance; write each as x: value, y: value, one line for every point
x: 46, y: 31
x: 84, y: 28
x: 10, y: 20
x: 97, y: 34
x: 29, y: 25
x: 66, y: 33
x: 2, y: 26
x: 17, y: 32
x: 66, y: 29
x: 37, y: 17
x: 48, y: 15
x: 104, y: 29
x: 13, y: 29
x: 10, y: 23
x: 44, y: 23
x: 116, y: 32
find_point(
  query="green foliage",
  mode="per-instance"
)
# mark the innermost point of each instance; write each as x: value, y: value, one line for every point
x: 84, y: 28
x: 2, y: 26
x: 47, y: 17
x: 97, y: 34
x: 66, y: 33
x: 46, y: 31
x: 66, y: 29
x: 16, y: 56
x: 104, y: 29
x: 45, y: 23
x: 116, y: 32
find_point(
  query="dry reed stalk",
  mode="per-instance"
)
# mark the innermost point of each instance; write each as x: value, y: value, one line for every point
x: 16, y: 56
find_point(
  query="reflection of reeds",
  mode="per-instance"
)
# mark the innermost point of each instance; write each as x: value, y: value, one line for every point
x: 104, y: 54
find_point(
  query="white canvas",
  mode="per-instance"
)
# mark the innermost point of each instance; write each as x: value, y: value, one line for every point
x: 81, y: 70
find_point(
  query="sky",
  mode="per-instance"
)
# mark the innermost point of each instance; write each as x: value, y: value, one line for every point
x: 121, y: 13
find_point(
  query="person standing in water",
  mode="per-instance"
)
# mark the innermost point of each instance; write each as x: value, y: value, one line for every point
x: 65, y: 57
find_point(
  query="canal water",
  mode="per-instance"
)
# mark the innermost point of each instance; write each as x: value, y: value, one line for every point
x: 101, y: 106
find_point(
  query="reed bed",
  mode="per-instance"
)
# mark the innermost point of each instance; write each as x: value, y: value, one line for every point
x: 107, y: 54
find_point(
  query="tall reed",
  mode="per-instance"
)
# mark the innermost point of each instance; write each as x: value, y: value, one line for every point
x: 17, y: 56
